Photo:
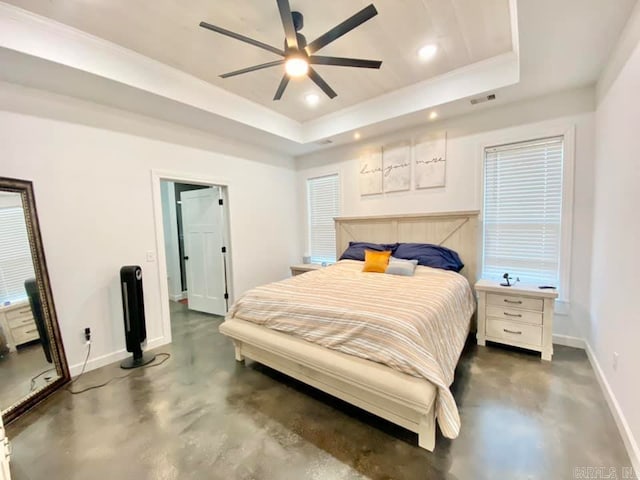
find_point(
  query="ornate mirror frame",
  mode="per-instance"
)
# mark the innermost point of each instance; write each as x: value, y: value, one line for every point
x: 25, y: 189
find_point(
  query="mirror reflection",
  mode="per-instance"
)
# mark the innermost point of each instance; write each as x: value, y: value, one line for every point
x: 26, y: 363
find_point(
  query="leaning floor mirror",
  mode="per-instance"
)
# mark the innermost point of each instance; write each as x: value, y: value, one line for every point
x: 32, y: 360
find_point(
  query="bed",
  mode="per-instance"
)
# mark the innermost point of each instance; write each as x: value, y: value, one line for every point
x: 268, y: 325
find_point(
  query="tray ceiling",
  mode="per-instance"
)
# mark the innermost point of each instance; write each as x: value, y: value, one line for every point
x: 466, y: 32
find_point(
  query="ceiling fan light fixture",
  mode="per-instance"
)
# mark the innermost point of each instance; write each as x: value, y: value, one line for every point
x: 296, y: 66
x: 297, y: 56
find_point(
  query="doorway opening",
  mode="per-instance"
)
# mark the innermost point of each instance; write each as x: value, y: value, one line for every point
x: 196, y: 245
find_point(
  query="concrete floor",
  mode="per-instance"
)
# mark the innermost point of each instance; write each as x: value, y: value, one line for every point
x: 201, y: 415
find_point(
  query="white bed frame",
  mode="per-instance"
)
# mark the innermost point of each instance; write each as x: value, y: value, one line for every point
x: 399, y: 398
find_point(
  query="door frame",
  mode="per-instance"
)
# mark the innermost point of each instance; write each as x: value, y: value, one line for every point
x: 161, y: 258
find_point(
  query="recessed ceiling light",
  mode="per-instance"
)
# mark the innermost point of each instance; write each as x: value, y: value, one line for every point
x: 433, y: 115
x: 356, y: 136
x: 428, y: 51
x: 312, y: 99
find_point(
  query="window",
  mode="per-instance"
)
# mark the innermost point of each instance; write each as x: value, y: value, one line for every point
x: 523, y: 205
x: 15, y: 255
x: 323, y: 200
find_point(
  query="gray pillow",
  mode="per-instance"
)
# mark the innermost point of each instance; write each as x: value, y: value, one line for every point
x: 398, y: 266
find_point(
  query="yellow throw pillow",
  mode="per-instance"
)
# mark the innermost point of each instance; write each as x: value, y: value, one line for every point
x: 376, y: 261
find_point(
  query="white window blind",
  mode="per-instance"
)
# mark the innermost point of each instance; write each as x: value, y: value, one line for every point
x: 323, y: 197
x: 15, y: 255
x: 523, y: 211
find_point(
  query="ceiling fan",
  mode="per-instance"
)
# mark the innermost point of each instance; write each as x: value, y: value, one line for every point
x: 298, y: 55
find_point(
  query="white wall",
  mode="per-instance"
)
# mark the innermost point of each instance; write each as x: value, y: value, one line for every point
x: 615, y: 323
x: 91, y: 168
x: 466, y: 137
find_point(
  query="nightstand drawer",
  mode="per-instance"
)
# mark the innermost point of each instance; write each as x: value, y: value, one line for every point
x: 515, y: 301
x: 19, y: 312
x: 21, y: 321
x: 514, y: 314
x: 25, y: 334
x: 513, y: 332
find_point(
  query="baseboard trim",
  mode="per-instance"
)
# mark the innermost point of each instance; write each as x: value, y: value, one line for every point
x: 178, y: 297
x: 116, y: 356
x: 623, y: 427
x: 568, y: 341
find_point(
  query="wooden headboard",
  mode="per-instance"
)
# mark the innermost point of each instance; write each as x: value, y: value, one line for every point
x: 455, y: 230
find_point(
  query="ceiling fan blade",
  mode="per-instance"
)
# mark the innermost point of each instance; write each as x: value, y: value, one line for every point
x: 317, y: 79
x: 344, y: 62
x: 287, y: 23
x: 252, y: 69
x: 242, y: 38
x: 283, y: 84
x: 339, y: 30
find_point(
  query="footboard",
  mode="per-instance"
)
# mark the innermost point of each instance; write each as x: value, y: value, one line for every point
x: 402, y: 399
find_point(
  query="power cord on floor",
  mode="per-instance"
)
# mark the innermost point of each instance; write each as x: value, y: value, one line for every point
x: 84, y: 364
x: 33, y: 380
x: 166, y: 356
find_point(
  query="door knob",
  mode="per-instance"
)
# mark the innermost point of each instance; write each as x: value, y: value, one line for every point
x: 186, y: 258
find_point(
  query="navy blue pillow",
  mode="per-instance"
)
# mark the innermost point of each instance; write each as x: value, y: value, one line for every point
x: 429, y: 255
x: 355, y: 251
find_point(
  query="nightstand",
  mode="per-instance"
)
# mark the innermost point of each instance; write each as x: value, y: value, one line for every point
x: 18, y: 324
x: 520, y: 315
x: 304, y: 268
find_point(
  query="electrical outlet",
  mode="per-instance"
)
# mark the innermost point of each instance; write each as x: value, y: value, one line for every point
x: 615, y: 360
x: 87, y: 334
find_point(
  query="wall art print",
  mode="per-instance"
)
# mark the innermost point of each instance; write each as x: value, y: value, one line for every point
x: 430, y: 161
x: 371, y: 172
x: 396, y: 167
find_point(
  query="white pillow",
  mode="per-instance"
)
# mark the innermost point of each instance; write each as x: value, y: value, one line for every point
x: 398, y: 266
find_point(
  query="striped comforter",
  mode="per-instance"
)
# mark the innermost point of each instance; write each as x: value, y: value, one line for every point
x: 416, y: 325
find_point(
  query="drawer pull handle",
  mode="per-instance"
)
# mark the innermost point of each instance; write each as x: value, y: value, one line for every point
x: 516, y: 302
x: 32, y: 331
x: 25, y: 311
x: 511, y: 331
x: 27, y: 320
x: 519, y: 315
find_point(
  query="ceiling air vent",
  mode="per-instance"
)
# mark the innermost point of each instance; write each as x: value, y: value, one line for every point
x: 477, y: 100
x: 325, y: 141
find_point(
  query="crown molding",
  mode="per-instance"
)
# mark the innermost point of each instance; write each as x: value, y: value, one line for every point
x: 41, y: 37
x: 491, y: 74
x: 32, y: 35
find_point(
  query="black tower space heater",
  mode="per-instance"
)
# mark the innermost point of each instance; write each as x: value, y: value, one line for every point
x: 31, y: 287
x: 133, y: 309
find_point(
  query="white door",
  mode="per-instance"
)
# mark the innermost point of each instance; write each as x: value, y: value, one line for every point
x: 203, y: 227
